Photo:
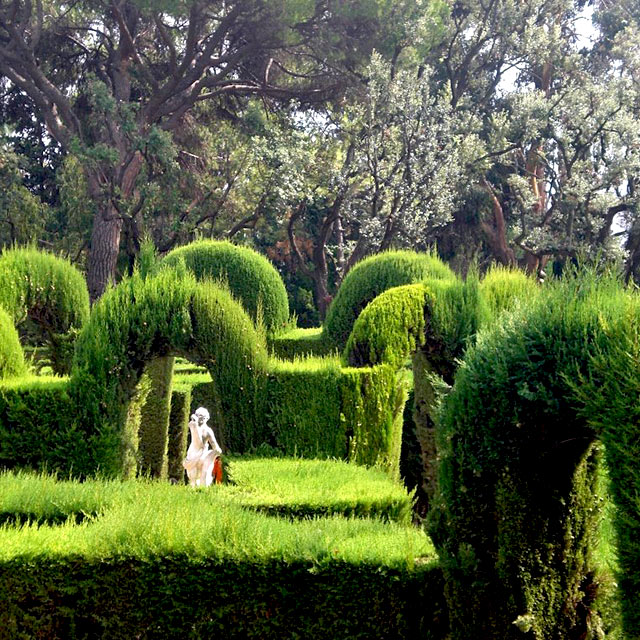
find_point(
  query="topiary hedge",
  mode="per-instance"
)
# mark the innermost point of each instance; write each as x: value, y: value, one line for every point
x: 503, y: 289
x: 371, y: 277
x: 48, y: 291
x: 516, y: 512
x: 162, y: 315
x: 11, y: 354
x: 251, y: 278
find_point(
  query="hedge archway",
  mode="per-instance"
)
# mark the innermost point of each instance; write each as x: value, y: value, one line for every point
x: 49, y: 291
x: 142, y: 319
x: 249, y: 275
x: 369, y: 278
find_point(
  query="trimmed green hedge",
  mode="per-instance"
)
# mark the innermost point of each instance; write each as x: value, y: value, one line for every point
x: 178, y: 428
x: 11, y: 354
x: 250, y: 277
x: 162, y: 315
x: 49, y: 291
x: 369, y: 279
x: 158, y: 561
x: 299, y: 343
x: 37, y: 427
x: 503, y: 289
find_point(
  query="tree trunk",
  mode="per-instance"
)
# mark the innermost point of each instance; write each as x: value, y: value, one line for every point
x: 104, y: 249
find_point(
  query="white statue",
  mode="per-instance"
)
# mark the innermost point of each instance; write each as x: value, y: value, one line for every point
x: 203, y: 450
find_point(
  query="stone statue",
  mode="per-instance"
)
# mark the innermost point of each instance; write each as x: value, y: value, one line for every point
x: 203, y: 452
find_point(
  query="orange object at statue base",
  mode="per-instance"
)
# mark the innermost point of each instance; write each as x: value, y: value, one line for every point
x: 217, y: 470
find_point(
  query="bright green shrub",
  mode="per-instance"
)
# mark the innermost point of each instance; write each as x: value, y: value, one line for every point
x: 303, y: 404
x: 370, y: 278
x: 251, y: 278
x: 11, y: 355
x: 50, y: 292
x: 163, y: 315
x: 516, y: 512
x: 37, y: 427
x: 158, y: 560
x: 300, y: 342
x: 154, y: 419
x: 503, y: 288
x: 390, y: 327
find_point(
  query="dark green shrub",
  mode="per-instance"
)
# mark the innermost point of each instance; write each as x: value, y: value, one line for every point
x: 177, y: 432
x: 154, y: 419
x: 11, y: 355
x: 251, y: 278
x: 516, y: 512
x: 167, y: 314
x: 50, y: 292
x: 370, y: 278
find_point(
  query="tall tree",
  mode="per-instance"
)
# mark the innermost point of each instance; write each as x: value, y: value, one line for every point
x: 114, y: 79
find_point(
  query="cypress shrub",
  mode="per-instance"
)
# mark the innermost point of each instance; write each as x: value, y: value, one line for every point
x: 299, y: 343
x: 251, y: 278
x: 516, y: 512
x: 49, y: 291
x: 162, y: 315
x: 11, y: 354
x: 370, y: 278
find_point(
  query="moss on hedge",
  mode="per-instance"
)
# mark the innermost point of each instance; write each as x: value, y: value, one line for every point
x: 371, y: 277
x: 49, y: 291
x: 11, y: 354
x: 251, y: 278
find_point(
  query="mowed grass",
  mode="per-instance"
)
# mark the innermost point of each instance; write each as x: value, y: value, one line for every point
x: 97, y: 519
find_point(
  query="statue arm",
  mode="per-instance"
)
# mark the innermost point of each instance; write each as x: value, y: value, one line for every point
x: 211, y: 439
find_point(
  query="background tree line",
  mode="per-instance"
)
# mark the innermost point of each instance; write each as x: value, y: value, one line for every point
x: 322, y: 131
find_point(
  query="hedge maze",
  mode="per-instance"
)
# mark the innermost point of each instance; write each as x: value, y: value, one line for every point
x: 524, y: 420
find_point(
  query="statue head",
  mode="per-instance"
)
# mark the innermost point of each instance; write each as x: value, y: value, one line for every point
x: 202, y: 415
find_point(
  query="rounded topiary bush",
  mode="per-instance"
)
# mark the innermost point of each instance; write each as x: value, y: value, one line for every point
x: 369, y: 279
x: 142, y: 319
x: 251, y: 277
x: 11, y: 356
x: 50, y: 292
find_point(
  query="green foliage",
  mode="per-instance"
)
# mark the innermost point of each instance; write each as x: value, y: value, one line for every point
x: 370, y: 278
x: 162, y: 315
x: 37, y: 429
x: 11, y: 354
x: 610, y: 400
x: 504, y: 289
x: 390, y: 327
x: 251, y: 278
x: 154, y: 419
x: 134, y: 558
x: 50, y: 292
x: 177, y: 431
x: 300, y: 342
x: 518, y: 473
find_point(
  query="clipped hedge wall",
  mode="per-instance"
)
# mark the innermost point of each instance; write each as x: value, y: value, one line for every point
x: 11, y: 354
x: 162, y: 315
x: 48, y: 290
x: 37, y: 427
x: 177, y: 431
x: 299, y: 343
x: 251, y: 278
x: 371, y: 277
x: 516, y: 513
